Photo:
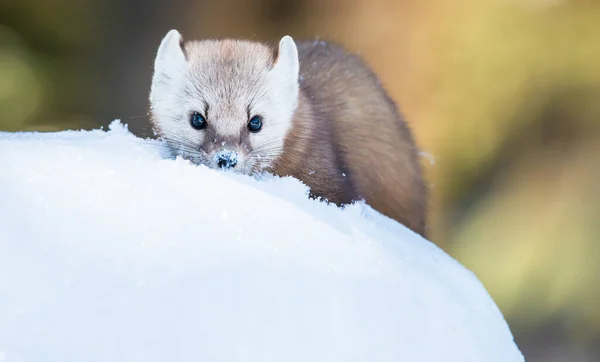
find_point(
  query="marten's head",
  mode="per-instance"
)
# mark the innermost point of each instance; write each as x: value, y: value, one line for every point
x: 224, y: 103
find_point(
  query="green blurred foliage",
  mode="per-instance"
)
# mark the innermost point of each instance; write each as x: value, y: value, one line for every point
x: 504, y: 95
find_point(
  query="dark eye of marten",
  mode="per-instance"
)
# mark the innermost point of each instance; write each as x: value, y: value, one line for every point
x: 198, y: 121
x: 255, y: 124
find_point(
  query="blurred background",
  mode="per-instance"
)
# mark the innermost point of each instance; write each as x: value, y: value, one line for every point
x: 502, y: 95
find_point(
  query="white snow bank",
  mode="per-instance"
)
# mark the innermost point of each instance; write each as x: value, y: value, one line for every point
x: 110, y: 252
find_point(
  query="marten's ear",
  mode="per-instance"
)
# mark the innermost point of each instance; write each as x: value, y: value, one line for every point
x: 287, y: 56
x: 287, y: 66
x: 170, y: 62
x: 170, y: 54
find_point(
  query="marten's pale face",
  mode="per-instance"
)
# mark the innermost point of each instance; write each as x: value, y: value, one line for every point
x: 225, y: 104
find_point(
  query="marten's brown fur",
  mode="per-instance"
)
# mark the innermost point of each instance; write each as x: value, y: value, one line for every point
x: 349, y: 141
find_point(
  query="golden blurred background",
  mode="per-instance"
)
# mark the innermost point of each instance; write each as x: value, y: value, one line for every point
x: 503, y: 97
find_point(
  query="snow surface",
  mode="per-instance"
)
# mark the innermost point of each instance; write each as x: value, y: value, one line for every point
x: 111, y: 252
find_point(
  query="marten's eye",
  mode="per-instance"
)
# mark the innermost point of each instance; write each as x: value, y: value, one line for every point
x: 198, y: 121
x: 255, y: 124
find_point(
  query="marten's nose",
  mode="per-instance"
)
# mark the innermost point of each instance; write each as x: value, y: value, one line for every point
x: 226, y: 159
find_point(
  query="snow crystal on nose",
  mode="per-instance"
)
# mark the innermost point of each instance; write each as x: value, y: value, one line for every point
x: 226, y: 158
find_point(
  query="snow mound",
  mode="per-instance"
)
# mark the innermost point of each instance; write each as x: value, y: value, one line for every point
x: 109, y: 251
